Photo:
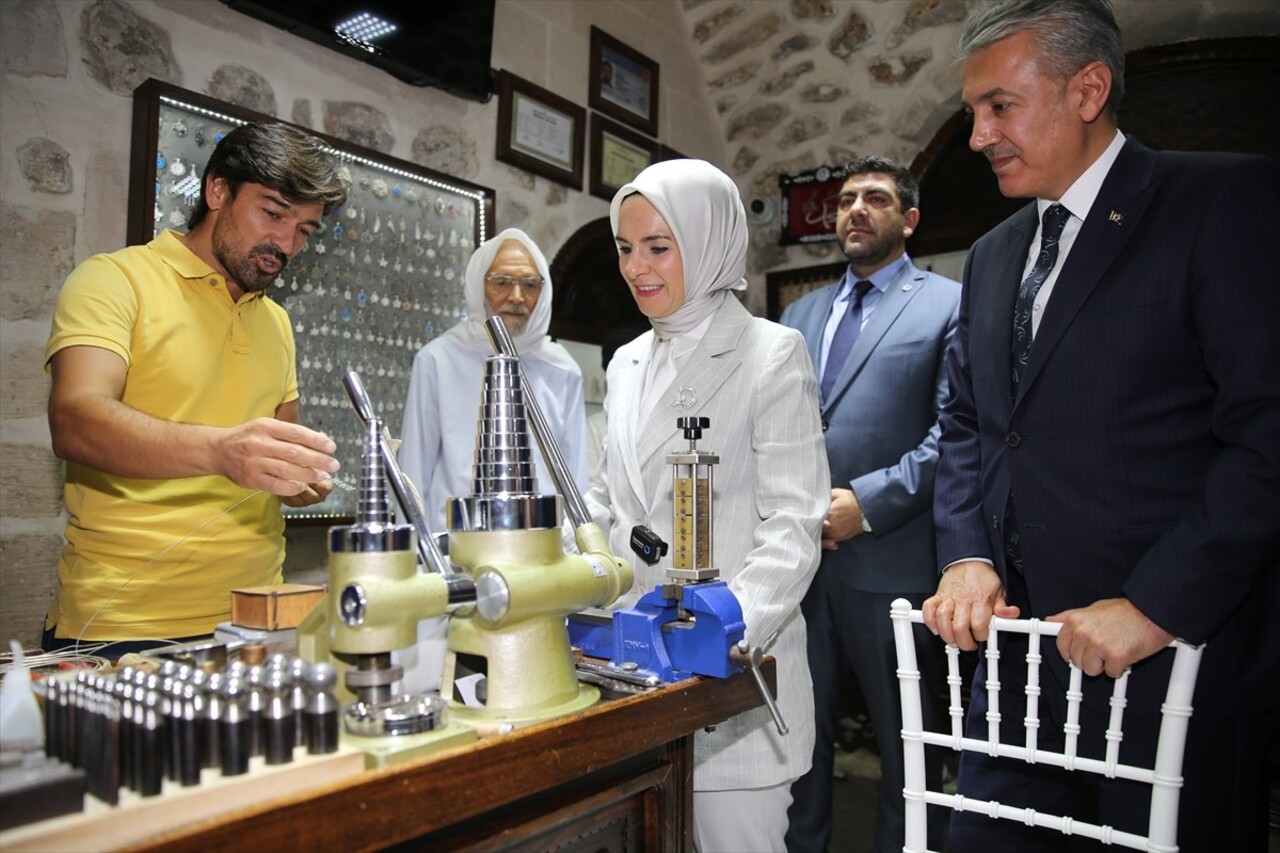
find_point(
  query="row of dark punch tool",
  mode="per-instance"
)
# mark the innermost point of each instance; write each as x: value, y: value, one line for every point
x: 133, y: 728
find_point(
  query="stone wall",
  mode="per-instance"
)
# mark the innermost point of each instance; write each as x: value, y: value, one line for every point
x: 796, y: 84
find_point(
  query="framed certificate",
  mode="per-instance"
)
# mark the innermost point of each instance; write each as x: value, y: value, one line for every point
x: 624, y: 83
x: 617, y: 156
x: 539, y: 131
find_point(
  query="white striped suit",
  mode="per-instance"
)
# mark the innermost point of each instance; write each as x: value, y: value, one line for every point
x: 755, y: 382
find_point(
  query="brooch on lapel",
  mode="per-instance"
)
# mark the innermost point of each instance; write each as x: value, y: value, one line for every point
x: 1116, y: 218
x: 685, y: 398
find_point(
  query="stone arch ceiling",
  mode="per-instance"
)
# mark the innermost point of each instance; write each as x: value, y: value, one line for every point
x: 795, y: 84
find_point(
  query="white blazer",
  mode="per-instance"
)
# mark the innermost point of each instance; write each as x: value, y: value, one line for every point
x: 753, y: 379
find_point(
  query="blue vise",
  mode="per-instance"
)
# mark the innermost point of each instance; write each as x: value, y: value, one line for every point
x: 671, y: 639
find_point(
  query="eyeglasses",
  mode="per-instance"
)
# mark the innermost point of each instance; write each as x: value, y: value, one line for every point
x: 503, y: 283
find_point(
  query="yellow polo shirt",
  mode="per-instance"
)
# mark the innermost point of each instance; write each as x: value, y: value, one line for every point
x: 157, y: 558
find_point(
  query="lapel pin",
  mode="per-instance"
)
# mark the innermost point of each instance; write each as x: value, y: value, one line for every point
x: 906, y: 288
x: 1116, y: 218
x: 685, y: 398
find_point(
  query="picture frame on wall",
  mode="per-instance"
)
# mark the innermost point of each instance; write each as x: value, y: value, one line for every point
x: 617, y: 156
x: 809, y: 202
x: 539, y: 131
x: 624, y: 83
x: 782, y: 287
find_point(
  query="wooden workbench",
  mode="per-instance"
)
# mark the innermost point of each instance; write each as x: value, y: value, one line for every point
x: 617, y: 776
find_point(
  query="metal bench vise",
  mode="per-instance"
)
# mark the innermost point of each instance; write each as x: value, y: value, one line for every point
x: 674, y: 632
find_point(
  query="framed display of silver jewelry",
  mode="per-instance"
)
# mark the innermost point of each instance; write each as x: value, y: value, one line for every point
x: 381, y: 277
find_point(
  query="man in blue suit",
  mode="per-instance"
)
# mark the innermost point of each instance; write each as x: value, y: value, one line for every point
x: 877, y: 339
x: 1110, y: 454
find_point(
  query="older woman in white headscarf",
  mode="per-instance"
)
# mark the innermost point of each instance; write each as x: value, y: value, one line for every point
x: 682, y: 241
x: 508, y: 276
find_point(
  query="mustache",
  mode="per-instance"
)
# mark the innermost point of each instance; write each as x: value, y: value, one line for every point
x: 271, y: 251
x: 515, y: 311
x: 991, y: 152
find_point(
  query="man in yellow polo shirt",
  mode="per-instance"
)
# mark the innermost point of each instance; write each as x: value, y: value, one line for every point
x: 175, y: 403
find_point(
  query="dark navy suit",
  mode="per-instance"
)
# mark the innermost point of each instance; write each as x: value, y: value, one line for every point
x: 881, y: 430
x: 1143, y: 448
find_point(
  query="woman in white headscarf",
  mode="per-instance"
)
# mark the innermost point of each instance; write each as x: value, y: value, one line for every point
x: 682, y: 242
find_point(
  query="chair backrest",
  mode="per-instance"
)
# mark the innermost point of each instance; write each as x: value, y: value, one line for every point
x: 1164, y: 777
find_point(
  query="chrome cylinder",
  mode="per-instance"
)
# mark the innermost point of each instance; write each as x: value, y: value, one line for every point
x: 575, y: 506
x: 504, y: 477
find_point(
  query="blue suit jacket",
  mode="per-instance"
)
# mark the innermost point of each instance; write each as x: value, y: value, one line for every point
x: 881, y: 426
x: 1144, y: 444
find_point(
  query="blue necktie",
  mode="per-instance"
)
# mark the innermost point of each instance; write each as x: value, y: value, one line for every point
x: 844, y: 338
x: 1055, y: 219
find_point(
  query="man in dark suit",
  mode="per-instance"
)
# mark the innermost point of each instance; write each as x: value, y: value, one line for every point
x: 1110, y: 455
x: 881, y: 394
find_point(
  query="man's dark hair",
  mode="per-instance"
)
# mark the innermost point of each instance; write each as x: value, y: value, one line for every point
x: 283, y: 158
x: 908, y: 187
x: 1069, y: 34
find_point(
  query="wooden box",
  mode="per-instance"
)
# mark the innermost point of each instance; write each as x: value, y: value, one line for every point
x: 274, y: 608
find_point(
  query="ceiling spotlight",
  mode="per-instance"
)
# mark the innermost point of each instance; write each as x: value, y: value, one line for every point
x: 364, y: 29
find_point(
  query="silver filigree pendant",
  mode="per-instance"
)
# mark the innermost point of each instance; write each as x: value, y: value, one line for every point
x: 685, y: 398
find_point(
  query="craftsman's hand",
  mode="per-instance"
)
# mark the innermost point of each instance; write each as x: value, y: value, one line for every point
x: 275, y: 456
x: 313, y: 494
x: 1108, y: 636
x: 969, y: 594
x: 844, y: 521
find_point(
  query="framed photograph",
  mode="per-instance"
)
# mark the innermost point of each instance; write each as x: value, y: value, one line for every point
x: 539, y: 131
x: 809, y: 202
x: 380, y: 279
x: 624, y: 83
x: 786, y: 286
x: 617, y: 156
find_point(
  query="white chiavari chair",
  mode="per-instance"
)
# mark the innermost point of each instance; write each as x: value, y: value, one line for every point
x: 1164, y: 777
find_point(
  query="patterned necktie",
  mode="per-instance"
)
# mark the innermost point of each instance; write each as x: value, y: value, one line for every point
x: 1055, y: 219
x: 844, y: 338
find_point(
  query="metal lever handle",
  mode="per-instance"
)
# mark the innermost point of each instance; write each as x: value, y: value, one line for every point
x: 754, y: 656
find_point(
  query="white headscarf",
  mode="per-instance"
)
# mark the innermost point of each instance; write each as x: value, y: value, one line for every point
x: 703, y: 209
x: 533, y: 341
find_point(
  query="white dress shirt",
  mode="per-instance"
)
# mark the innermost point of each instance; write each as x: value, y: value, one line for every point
x: 1078, y: 199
